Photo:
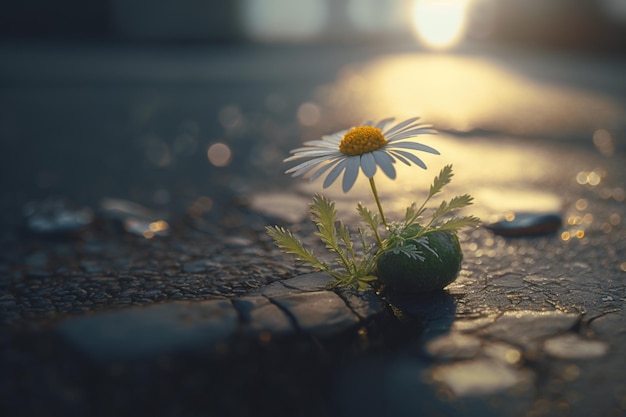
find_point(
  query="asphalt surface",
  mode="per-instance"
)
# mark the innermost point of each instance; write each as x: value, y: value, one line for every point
x: 532, y: 326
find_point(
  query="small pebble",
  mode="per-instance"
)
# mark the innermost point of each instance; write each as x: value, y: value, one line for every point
x: 134, y: 218
x: 55, y: 217
x: 526, y: 224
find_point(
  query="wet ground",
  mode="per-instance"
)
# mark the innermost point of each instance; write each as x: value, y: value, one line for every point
x: 532, y: 326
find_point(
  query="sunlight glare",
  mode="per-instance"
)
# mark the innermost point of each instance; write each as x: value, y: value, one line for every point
x: 439, y: 24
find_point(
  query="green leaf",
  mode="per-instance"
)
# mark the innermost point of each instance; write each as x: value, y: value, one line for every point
x: 337, y: 238
x: 366, y: 264
x: 288, y: 243
x: 423, y: 242
x: 363, y: 282
x: 456, y: 223
x: 455, y: 204
x: 460, y: 201
x: 324, y: 215
x: 346, y: 239
x: 440, y: 181
x: 411, y: 213
x: 372, y: 220
x: 409, y: 250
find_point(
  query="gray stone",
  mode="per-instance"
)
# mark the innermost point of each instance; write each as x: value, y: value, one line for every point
x: 55, y: 217
x: 141, y: 332
x: 259, y: 315
x: 275, y: 289
x: 316, y: 281
x: 119, y: 209
x: 321, y: 313
x: 527, y: 224
x: 134, y: 218
x: 611, y: 326
x: 365, y: 304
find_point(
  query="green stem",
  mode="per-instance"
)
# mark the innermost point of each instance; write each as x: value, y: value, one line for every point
x: 380, y: 209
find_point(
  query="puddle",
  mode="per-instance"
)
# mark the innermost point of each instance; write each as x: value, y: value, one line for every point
x: 454, y: 346
x: 572, y: 346
x: 477, y: 377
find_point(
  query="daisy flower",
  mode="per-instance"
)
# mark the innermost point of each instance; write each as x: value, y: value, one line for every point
x: 368, y: 147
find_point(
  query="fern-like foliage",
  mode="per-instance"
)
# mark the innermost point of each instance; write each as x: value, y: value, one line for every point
x: 456, y: 223
x: 288, y: 243
x: 355, y: 262
x: 409, y: 250
x: 413, y: 229
x: 441, y: 180
x: 324, y: 215
x: 413, y: 214
x: 355, y: 269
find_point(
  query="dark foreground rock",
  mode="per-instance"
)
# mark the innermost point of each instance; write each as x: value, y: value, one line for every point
x: 340, y: 353
x: 265, y: 353
x: 299, y: 306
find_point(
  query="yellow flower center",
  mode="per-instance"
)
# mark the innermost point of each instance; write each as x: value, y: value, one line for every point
x: 362, y: 139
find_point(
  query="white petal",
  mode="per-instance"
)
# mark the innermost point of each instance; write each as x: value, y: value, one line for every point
x: 381, y: 125
x: 368, y: 164
x: 385, y: 162
x: 321, y: 144
x: 334, y: 173
x: 412, y: 126
x: 308, y: 166
x: 368, y: 123
x: 410, y: 133
x: 352, y: 171
x: 415, y: 146
x: 400, y: 126
x: 323, y: 169
x: 335, y: 137
x: 312, y: 153
x: 399, y: 157
x: 305, y: 164
x: 410, y: 156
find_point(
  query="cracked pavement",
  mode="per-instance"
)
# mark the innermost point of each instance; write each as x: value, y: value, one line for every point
x: 533, y: 326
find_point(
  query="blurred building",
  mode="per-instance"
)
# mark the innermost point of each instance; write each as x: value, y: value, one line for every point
x: 591, y: 24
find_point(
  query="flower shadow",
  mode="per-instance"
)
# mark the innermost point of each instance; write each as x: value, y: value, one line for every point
x: 434, y: 311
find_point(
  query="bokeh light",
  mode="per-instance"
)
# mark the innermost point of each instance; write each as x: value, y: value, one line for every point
x: 230, y: 117
x: 591, y: 178
x: 219, y: 154
x: 603, y: 141
x: 440, y: 24
x: 309, y: 114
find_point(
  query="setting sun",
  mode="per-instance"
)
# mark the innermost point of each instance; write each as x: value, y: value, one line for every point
x: 439, y: 24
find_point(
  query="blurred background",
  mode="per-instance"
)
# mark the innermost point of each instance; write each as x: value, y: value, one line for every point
x: 175, y: 102
x: 580, y: 24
